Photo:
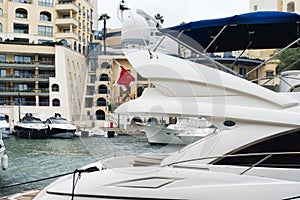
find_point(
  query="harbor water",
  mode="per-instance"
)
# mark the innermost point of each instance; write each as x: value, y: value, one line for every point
x: 36, y: 159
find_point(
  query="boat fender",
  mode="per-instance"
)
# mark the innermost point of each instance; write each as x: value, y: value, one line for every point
x: 4, y: 161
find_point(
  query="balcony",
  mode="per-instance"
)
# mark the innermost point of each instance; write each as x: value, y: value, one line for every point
x: 28, y: 65
x: 28, y: 78
x: 66, y: 35
x: 66, y: 7
x: 29, y: 92
x: 66, y: 22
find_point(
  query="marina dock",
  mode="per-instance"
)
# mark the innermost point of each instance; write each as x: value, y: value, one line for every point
x: 28, y: 195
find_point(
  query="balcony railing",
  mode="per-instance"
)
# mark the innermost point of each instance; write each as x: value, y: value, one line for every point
x: 22, y: 1
x: 29, y: 76
x: 30, y: 90
x: 64, y: 7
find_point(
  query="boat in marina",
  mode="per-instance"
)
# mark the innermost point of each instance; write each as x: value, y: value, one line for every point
x: 4, y: 132
x: 256, y: 148
x: 4, y: 126
x: 184, y: 131
x: 59, y: 127
x: 31, y: 128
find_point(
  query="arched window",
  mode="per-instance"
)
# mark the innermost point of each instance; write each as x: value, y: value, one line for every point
x: 75, y: 46
x: 45, y: 16
x: 140, y: 90
x: 104, y: 77
x: 291, y: 7
x: 1, y: 28
x: 102, y: 89
x: 55, y: 88
x: 100, y: 115
x: 105, y: 65
x: 55, y: 102
x: 101, y: 102
x: 21, y: 13
x: 1, y: 12
x: 79, y: 48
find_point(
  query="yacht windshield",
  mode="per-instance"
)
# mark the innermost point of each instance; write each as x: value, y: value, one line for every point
x: 59, y: 121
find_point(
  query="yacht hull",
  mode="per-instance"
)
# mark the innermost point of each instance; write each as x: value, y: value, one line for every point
x: 31, y: 133
x: 168, y: 183
x: 61, y: 133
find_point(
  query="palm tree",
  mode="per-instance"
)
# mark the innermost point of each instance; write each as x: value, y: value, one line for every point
x: 104, y: 17
x: 159, y: 17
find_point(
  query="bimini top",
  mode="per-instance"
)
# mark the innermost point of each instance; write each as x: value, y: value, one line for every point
x: 255, y: 30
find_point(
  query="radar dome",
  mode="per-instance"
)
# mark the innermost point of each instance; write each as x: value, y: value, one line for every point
x: 135, y: 31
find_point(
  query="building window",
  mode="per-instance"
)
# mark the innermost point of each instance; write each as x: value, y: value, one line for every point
x: 55, y: 102
x: 104, y: 77
x: 102, y: 89
x: 291, y: 7
x: 45, y: 31
x: 100, y: 115
x: 1, y: 12
x: 48, y: 3
x: 255, y: 7
x: 101, y: 102
x: 105, y: 65
x: 2, y: 72
x: 269, y: 73
x: 22, y: 1
x: 2, y: 58
x: 45, y: 41
x: 45, y: 16
x: 21, y: 13
x: 21, y: 28
x: 22, y: 59
x: 243, y: 70
x: 55, y: 88
x: 20, y: 87
x: 23, y: 73
x: 75, y: 46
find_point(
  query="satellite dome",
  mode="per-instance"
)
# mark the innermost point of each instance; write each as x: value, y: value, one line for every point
x: 135, y: 31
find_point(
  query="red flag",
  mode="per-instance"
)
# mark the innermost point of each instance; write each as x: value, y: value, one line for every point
x: 125, y: 78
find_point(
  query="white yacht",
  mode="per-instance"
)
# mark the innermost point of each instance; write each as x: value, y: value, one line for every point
x: 4, y: 132
x: 31, y: 128
x: 255, y: 155
x: 59, y: 127
x: 4, y: 126
x: 184, y: 131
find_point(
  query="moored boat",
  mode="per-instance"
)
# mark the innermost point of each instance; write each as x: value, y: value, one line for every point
x: 31, y: 128
x: 59, y: 127
x: 4, y: 126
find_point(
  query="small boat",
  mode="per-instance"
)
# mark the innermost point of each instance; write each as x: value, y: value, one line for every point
x: 4, y: 126
x: 185, y: 131
x: 4, y: 130
x: 58, y: 127
x: 31, y: 128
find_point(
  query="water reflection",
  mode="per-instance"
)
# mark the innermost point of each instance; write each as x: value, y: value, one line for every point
x: 35, y: 159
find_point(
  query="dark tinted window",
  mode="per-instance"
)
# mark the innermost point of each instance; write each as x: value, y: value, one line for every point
x: 287, y: 142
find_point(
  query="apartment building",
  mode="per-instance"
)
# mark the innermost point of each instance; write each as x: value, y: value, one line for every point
x: 270, y: 5
x: 43, y: 47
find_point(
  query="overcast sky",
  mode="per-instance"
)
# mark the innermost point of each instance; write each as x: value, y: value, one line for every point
x: 175, y: 11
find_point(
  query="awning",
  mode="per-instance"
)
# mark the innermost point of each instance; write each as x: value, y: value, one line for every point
x: 255, y: 30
